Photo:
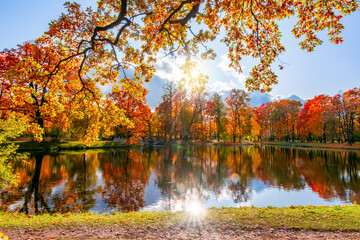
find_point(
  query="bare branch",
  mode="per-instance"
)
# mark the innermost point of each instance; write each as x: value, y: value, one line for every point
x: 183, y: 21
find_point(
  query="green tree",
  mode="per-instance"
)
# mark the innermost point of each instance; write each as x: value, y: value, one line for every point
x: 170, y: 91
x: 219, y: 111
x: 10, y: 127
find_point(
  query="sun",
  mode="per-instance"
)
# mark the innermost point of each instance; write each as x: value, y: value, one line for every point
x: 195, y: 73
x: 194, y: 207
x: 194, y: 80
x: 196, y: 212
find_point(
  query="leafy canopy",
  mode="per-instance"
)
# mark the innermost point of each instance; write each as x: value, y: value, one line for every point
x: 123, y: 33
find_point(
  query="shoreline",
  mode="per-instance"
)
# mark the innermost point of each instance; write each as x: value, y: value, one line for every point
x: 325, y: 146
x: 33, y: 146
x: 78, y: 145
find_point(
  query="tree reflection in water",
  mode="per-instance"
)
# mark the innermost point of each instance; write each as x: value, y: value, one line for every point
x: 118, y: 179
x: 49, y: 184
x: 125, y: 174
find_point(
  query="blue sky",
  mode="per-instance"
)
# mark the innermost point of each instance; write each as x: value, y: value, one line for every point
x: 327, y: 70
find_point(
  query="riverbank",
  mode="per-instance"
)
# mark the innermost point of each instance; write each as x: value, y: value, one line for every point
x: 344, y: 146
x: 66, y: 145
x: 341, y: 222
x: 245, y: 143
x: 78, y: 145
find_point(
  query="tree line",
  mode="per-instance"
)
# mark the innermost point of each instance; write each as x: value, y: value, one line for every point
x: 204, y: 116
x: 61, y: 109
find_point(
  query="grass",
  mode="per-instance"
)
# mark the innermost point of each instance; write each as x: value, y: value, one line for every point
x: 68, y: 145
x: 11, y: 220
x: 319, y: 218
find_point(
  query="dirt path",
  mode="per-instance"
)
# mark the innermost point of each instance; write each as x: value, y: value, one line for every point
x: 178, y: 232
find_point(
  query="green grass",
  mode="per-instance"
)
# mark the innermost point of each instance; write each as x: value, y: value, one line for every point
x: 336, y: 218
x: 69, y: 145
x: 11, y: 220
x: 320, y: 218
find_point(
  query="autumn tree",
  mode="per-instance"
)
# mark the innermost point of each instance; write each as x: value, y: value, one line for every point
x: 191, y: 113
x: 135, y: 108
x: 169, y: 108
x: 162, y: 111
x: 8, y: 59
x: 263, y: 117
x: 132, y: 32
x: 255, y: 127
x: 237, y: 111
x: 346, y: 106
x: 156, y: 124
x: 27, y: 91
x: 284, y: 117
x: 312, y: 118
x: 49, y: 97
x: 192, y: 87
x: 59, y: 76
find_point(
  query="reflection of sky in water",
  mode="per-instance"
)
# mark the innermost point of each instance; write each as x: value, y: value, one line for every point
x: 279, y: 198
x: 100, y: 206
x: 261, y: 195
x: 152, y: 193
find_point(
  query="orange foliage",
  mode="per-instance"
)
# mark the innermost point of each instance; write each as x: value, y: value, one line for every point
x: 312, y: 117
x: 131, y: 99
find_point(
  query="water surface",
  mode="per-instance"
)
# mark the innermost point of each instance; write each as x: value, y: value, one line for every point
x: 174, y: 178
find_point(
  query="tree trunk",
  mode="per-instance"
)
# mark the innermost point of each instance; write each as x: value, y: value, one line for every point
x: 40, y: 122
x: 218, y: 131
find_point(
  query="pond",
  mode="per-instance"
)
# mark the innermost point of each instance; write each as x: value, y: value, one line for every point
x: 178, y: 178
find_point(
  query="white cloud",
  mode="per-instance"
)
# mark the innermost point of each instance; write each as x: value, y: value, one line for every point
x: 224, y: 66
x: 221, y: 86
x: 169, y: 69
